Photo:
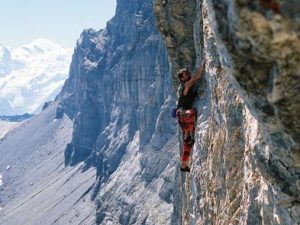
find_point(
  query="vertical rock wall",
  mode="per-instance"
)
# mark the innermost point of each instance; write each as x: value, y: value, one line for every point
x: 119, y: 95
x: 245, y: 163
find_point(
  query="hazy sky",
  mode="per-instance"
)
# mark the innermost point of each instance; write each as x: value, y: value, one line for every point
x: 22, y: 21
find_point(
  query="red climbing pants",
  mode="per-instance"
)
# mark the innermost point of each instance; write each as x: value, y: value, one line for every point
x: 186, y: 120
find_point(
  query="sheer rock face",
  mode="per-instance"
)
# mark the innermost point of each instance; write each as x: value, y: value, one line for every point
x: 119, y: 95
x: 246, y: 156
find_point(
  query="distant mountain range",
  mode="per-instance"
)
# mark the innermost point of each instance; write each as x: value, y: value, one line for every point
x: 31, y: 75
x: 16, y: 118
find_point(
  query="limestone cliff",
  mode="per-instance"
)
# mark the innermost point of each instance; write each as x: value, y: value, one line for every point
x: 119, y: 95
x: 246, y: 159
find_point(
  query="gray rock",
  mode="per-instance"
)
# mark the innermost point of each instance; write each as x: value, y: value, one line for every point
x: 37, y: 187
x: 119, y: 95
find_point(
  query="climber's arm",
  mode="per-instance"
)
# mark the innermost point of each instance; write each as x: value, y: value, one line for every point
x: 198, y: 74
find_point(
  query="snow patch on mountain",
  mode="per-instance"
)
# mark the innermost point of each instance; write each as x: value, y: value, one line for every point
x: 31, y: 75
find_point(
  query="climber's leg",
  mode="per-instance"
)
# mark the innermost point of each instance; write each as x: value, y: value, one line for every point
x: 186, y: 120
x: 186, y: 154
x: 188, y: 137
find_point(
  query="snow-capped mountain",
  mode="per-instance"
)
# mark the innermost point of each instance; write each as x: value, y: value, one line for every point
x: 31, y: 75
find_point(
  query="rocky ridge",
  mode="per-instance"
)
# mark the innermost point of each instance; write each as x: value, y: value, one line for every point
x: 119, y: 95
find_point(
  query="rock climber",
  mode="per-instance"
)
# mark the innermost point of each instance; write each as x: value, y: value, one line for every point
x: 185, y: 113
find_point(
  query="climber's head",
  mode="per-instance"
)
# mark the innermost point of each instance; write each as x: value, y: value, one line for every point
x: 184, y: 74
